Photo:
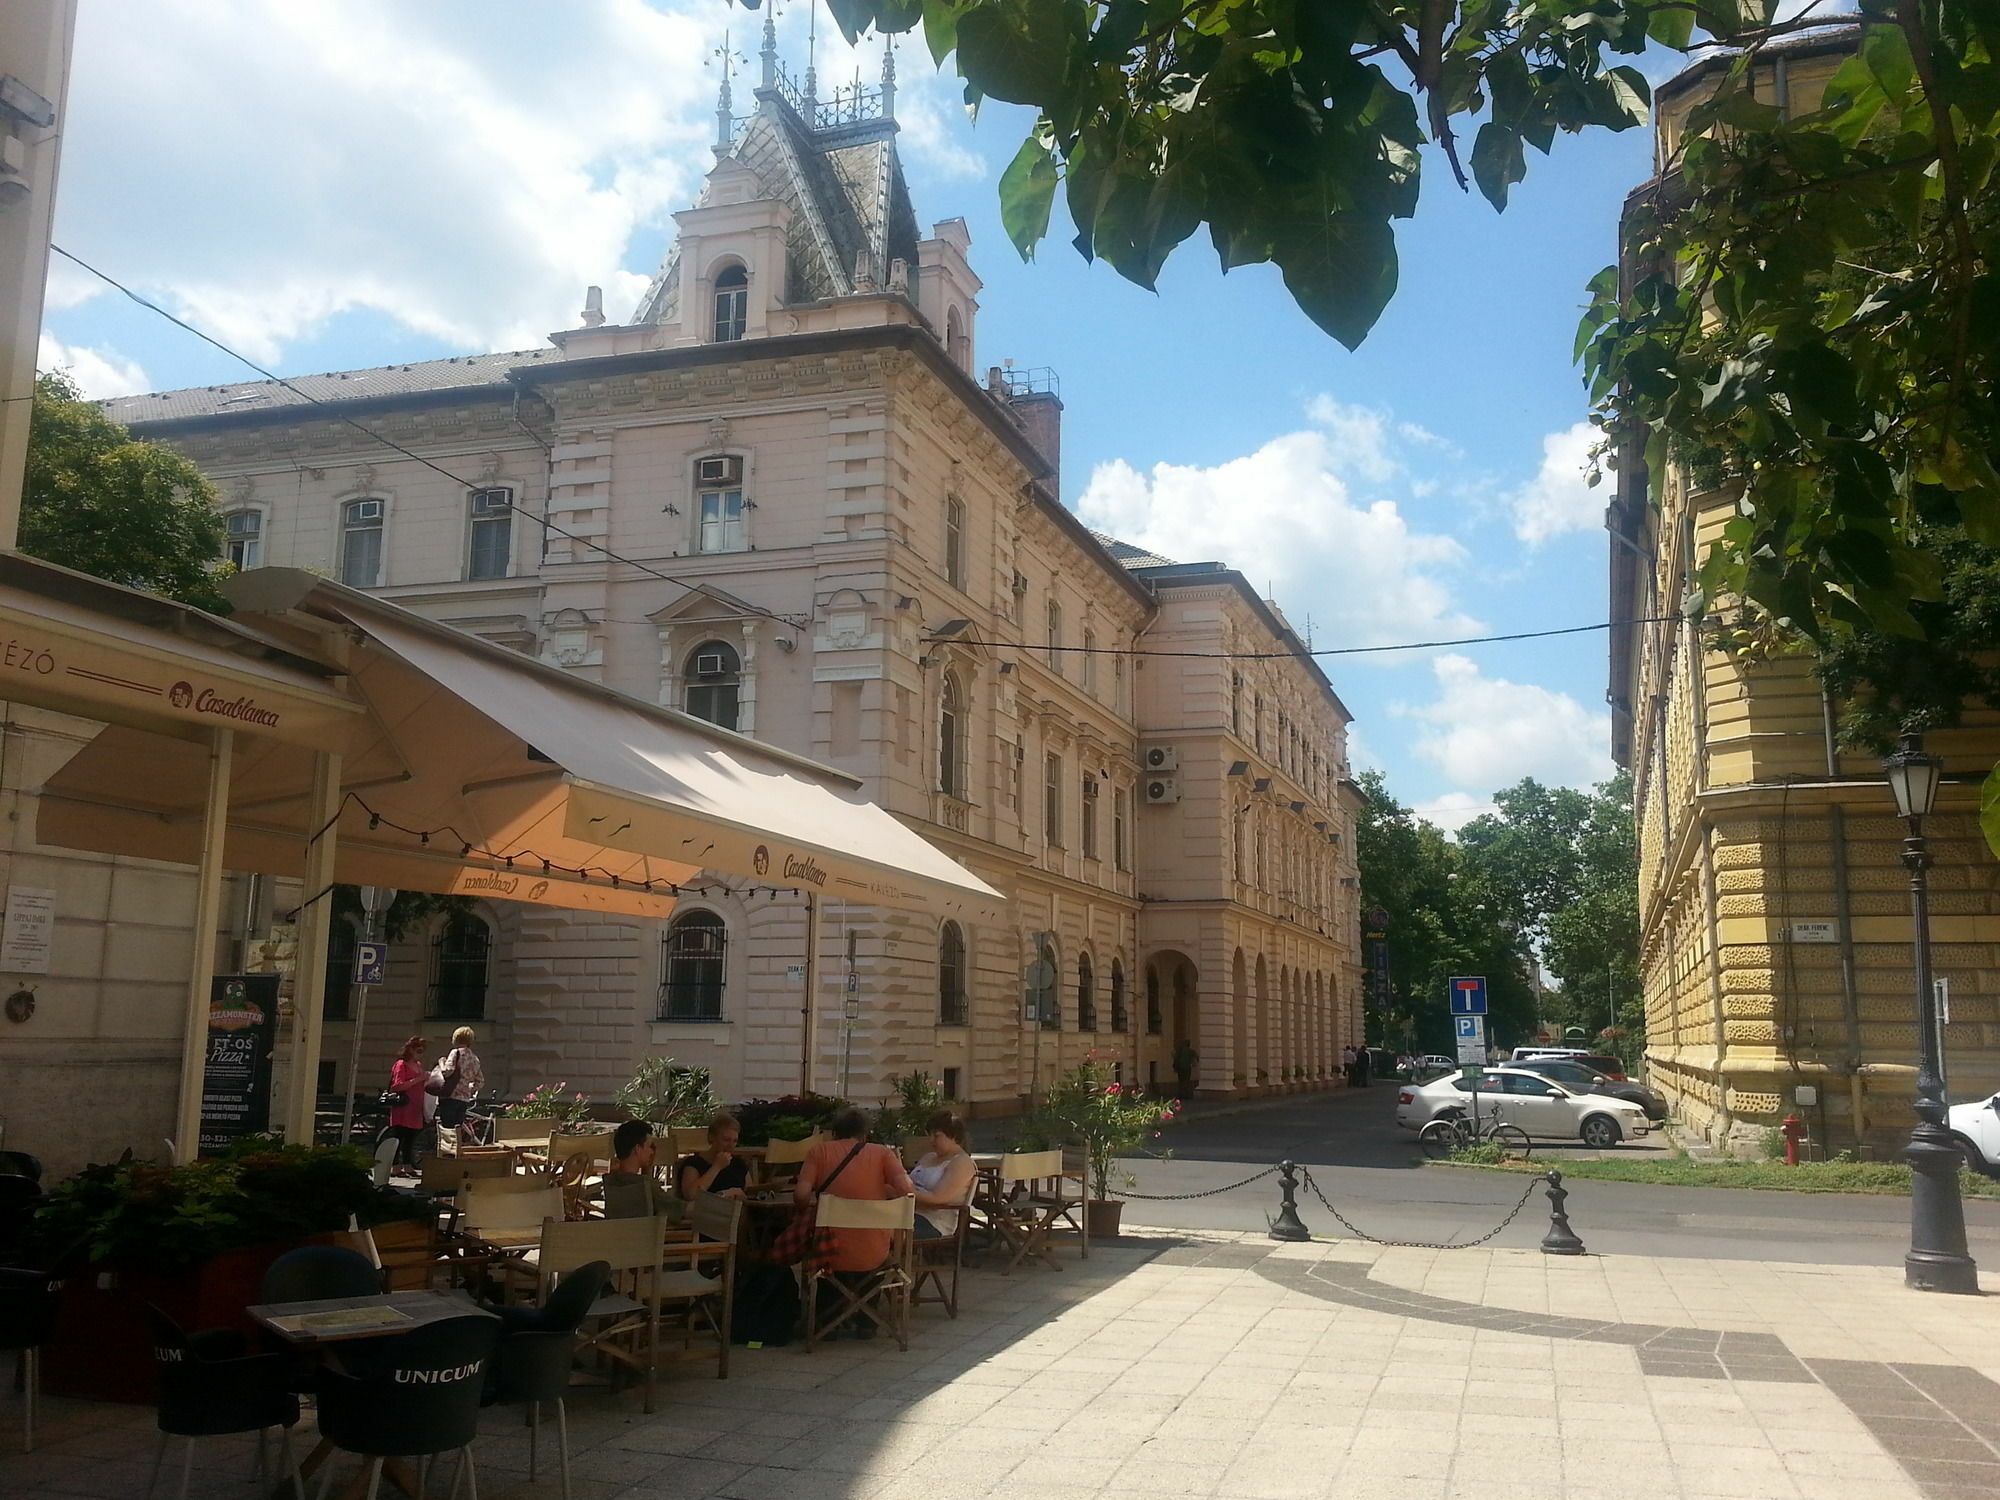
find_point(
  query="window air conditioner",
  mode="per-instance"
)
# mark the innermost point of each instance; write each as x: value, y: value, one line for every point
x: 365, y: 510
x: 725, y: 470
x: 709, y: 664
x: 492, y: 502
x: 1020, y: 583
x: 1160, y: 789
x: 1162, y: 758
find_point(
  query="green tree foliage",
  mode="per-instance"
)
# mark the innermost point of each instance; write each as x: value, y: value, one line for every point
x: 1562, y: 865
x: 102, y: 502
x: 1814, y: 322
x: 1443, y: 921
x: 1292, y: 129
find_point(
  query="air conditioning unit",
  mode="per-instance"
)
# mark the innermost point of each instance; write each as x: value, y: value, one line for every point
x: 1162, y: 758
x: 365, y: 510
x: 1161, y: 789
x: 1020, y: 583
x: 727, y: 469
x: 492, y: 502
x: 710, y: 664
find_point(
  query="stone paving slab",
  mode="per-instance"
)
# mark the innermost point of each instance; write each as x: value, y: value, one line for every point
x: 1230, y: 1367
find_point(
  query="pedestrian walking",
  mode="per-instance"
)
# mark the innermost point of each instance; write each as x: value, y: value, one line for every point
x: 1185, y: 1058
x: 462, y: 1077
x: 409, y: 1081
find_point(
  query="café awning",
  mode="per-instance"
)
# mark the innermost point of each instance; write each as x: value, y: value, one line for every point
x: 475, y: 770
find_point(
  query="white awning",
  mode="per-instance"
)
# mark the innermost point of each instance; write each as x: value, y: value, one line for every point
x: 474, y: 767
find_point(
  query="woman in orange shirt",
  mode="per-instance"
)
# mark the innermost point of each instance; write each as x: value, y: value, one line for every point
x: 848, y: 1166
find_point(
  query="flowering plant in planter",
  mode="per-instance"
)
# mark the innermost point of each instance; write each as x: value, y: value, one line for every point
x: 1107, y: 1119
x: 566, y: 1112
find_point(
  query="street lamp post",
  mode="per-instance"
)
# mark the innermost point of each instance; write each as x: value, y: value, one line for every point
x: 1937, y: 1260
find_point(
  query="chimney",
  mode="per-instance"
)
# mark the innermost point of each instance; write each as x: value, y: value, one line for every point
x: 1040, y: 416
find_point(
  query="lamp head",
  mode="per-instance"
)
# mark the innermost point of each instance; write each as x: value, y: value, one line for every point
x: 1913, y: 777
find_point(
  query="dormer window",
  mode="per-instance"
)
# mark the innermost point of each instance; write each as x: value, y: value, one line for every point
x: 732, y: 304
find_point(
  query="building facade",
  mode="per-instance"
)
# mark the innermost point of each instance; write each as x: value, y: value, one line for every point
x: 785, y: 498
x: 1775, y: 927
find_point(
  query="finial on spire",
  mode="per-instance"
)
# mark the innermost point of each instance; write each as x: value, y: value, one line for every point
x: 769, y: 55
x: 812, y: 57
x: 725, y: 114
x: 888, y: 78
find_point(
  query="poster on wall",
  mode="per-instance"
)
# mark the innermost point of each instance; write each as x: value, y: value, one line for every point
x: 236, y: 1081
x: 29, y: 925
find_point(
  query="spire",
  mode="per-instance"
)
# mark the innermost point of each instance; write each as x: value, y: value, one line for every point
x: 812, y: 58
x: 769, y: 55
x: 888, y: 78
x: 725, y: 114
x: 593, y: 307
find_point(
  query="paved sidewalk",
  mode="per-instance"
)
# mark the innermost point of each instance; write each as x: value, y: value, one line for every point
x: 1224, y: 1365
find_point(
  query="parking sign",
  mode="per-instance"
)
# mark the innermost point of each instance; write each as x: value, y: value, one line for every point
x: 369, y: 961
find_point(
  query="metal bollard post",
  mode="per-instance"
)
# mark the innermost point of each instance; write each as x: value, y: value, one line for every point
x: 1561, y: 1239
x: 1287, y: 1225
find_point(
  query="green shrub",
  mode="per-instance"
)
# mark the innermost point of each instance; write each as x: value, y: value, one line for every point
x: 668, y: 1094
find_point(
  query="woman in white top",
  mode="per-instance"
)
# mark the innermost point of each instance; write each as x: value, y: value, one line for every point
x: 942, y: 1178
x: 460, y: 1069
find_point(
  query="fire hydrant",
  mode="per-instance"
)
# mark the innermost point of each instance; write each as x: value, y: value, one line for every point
x: 1794, y: 1130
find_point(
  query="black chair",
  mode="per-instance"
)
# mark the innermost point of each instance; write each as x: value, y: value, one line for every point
x: 205, y: 1396
x: 20, y: 1197
x: 20, y: 1164
x: 412, y: 1396
x: 314, y: 1273
x: 535, y: 1358
x: 27, y: 1321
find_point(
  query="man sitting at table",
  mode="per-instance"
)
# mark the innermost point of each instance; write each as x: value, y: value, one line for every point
x: 631, y: 1191
x: 719, y: 1169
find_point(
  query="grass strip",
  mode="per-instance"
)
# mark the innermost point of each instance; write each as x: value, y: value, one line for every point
x: 1876, y: 1177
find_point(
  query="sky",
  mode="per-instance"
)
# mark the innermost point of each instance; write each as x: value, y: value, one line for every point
x: 335, y: 184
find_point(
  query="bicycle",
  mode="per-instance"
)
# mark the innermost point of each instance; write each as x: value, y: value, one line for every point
x: 1449, y: 1134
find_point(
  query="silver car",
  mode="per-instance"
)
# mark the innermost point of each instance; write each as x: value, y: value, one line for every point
x: 1540, y: 1106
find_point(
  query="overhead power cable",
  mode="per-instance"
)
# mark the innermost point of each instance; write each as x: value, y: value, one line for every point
x: 1471, y: 640
x: 389, y: 442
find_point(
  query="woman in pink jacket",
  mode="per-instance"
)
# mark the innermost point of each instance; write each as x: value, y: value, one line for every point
x: 406, y: 1120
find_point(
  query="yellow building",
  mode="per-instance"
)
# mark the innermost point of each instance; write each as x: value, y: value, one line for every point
x: 1775, y: 929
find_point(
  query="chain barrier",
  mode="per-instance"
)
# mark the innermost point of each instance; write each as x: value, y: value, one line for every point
x: 1186, y: 1197
x: 1538, y: 1180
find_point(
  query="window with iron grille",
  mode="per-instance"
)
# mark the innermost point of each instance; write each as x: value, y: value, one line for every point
x: 1118, y: 1016
x: 951, y: 975
x: 694, y: 967
x: 459, y: 955
x: 1153, y: 1025
x: 491, y: 533
x: 1086, y: 995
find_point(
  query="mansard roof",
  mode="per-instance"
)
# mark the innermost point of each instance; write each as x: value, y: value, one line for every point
x: 844, y: 183
x: 1131, y: 556
x: 421, y: 377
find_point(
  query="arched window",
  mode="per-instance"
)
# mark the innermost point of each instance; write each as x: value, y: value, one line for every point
x: 1046, y: 995
x: 955, y: 342
x: 951, y: 975
x: 952, y: 737
x: 1153, y: 1019
x: 459, y: 956
x: 1055, y: 637
x: 954, y: 541
x: 1086, y: 995
x: 694, y: 967
x: 714, y: 679
x: 732, y: 304
x: 1118, y: 1016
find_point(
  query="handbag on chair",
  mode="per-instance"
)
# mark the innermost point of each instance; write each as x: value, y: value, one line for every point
x: 803, y: 1239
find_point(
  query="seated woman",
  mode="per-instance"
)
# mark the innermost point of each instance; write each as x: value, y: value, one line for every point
x: 719, y: 1169
x: 942, y: 1177
x: 848, y: 1166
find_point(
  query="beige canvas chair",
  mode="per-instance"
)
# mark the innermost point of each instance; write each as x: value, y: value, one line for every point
x: 623, y: 1325
x: 1032, y: 1201
x: 783, y: 1158
x: 500, y: 1224
x: 511, y: 1131
x: 562, y: 1145
x: 881, y: 1295
x: 707, y: 1236
x: 687, y: 1140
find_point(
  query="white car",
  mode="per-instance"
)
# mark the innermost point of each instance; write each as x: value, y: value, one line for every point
x: 1543, y: 1108
x: 1976, y: 1128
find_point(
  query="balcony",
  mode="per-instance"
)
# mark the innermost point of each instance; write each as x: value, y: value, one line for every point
x: 950, y: 812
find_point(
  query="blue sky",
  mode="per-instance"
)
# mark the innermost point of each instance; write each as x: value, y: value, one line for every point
x: 358, y: 182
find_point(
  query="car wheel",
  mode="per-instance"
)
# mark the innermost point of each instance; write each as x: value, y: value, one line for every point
x: 1601, y: 1132
x: 1975, y: 1159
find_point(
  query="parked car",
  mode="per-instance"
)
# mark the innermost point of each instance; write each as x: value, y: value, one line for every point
x: 1576, y: 1074
x: 1603, y: 1062
x: 1976, y: 1127
x: 1540, y: 1106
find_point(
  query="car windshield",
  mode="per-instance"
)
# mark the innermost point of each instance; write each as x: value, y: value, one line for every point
x: 1601, y: 1064
x: 1567, y: 1072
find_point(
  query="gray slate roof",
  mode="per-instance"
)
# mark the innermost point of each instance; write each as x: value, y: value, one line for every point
x: 461, y: 372
x: 1131, y: 556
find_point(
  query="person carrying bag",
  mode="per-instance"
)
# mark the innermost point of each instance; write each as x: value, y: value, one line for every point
x: 802, y: 1240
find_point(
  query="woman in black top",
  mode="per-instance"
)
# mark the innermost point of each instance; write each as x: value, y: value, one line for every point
x: 719, y: 1169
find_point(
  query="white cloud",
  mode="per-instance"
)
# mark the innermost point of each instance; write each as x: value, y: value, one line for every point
x: 98, y: 373
x: 1557, y: 499
x: 1288, y: 517
x: 1487, y: 732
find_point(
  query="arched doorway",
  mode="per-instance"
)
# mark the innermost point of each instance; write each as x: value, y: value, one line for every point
x: 1239, y: 1005
x: 1173, y: 984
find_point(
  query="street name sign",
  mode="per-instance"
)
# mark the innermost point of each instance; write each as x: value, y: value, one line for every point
x: 1468, y: 994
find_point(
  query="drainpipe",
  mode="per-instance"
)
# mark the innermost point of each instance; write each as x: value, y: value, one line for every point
x: 1850, y: 1002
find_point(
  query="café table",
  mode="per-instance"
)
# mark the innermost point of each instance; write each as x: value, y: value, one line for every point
x: 341, y: 1320
x: 766, y: 1212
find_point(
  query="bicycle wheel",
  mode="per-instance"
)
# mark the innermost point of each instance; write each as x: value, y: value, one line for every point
x: 1440, y: 1138
x: 1511, y: 1138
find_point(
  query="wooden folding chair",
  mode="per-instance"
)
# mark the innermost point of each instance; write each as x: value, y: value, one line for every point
x: 790, y: 1154
x: 575, y: 1175
x: 1031, y: 1201
x: 934, y: 1259
x: 627, y: 1330
x: 1069, y: 1215
x: 866, y: 1292
x: 685, y: 1141
x: 509, y: 1130
x: 500, y: 1224
x: 407, y: 1254
x: 709, y: 1232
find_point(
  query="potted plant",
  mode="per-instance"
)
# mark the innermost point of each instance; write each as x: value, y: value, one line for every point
x: 193, y: 1239
x: 758, y: 1116
x: 566, y: 1112
x: 1107, y: 1120
x: 668, y: 1094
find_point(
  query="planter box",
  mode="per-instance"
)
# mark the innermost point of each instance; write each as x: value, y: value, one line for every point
x: 103, y: 1344
x: 1102, y: 1216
